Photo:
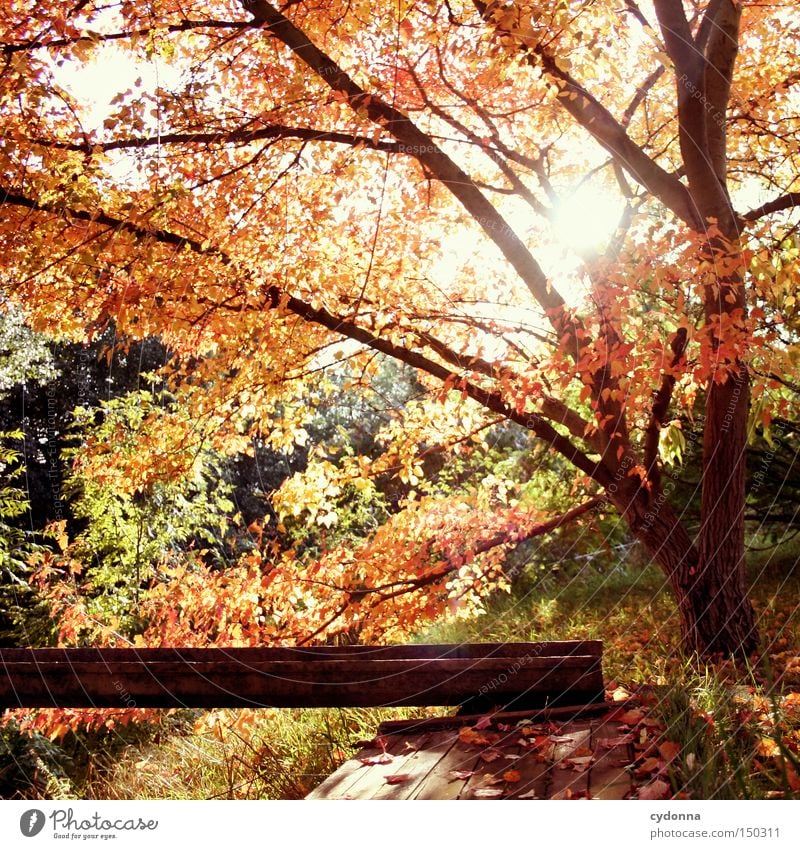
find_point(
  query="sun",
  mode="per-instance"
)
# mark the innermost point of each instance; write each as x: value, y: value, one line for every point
x: 586, y: 218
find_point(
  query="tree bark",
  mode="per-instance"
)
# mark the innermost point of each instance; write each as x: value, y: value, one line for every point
x: 725, y: 616
x: 716, y: 616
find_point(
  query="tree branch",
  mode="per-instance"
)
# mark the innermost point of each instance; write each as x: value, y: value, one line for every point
x: 608, y: 132
x: 275, y: 298
x: 721, y: 51
x: 99, y: 38
x: 242, y: 135
x: 167, y: 237
x: 558, y: 411
x: 493, y: 401
x: 707, y: 24
x: 787, y: 201
x: 539, y: 530
x: 430, y: 156
x: 697, y: 111
x: 395, y: 589
x: 661, y: 403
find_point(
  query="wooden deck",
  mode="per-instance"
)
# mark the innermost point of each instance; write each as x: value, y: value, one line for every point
x: 512, y: 756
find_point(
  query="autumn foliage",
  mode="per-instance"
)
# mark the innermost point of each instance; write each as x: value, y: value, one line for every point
x: 278, y: 193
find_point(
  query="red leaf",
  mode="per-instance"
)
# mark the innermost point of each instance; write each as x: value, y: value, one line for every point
x: 658, y: 789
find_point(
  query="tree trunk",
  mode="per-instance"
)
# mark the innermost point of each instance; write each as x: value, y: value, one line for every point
x: 725, y: 616
x: 715, y: 613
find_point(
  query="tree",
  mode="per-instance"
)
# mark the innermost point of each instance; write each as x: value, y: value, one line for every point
x: 280, y: 179
x: 40, y: 401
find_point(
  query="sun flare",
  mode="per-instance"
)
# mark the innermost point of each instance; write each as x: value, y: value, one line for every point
x: 587, y: 218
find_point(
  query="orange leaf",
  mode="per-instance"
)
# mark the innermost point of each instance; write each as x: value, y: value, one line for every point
x: 631, y: 717
x: 648, y: 765
x: 669, y: 751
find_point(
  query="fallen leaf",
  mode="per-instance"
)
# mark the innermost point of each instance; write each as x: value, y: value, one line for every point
x: 471, y: 737
x: 410, y: 747
x: 460, y: 774
x: 397, y: 779
x: 580, y: 764
x: 491, y: 755
x: 658, y: 789
x: 648, y: 765
x: 487, y: 793
x: 792, y: 701
x: 512, y: 776
x: 531, y: 794
x: 631, y: 717
x: 669, y: 751
x: 482, y: 723
x: 374, y: 760
x: 563, y: 794
x: 767, y: 748
x: 488, y: 780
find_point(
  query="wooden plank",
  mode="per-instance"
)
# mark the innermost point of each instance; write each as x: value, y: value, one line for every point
x: 534, y: 765
x: 320, y: 682
x: 608, y: 778
x: 486, y: 773
x: 454, y: 651
x: 534, y: 776
x: 433, y: 723
x: 439, y: 783
x: 370, y: 780
x: 544, y: 768
x: 563, y: 781
x: 337, y: 784
x: 417, y: 762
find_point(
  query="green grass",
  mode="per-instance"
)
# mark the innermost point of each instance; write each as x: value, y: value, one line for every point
x: 630, y: 608
x: 264, y: 754
x: 625, y: 607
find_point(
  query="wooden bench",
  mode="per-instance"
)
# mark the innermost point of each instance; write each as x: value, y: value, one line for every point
x: 472, y: 676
